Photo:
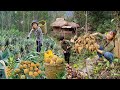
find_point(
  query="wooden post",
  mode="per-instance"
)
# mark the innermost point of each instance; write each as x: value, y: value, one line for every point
x: 76, y: 31
x: 117, y: 41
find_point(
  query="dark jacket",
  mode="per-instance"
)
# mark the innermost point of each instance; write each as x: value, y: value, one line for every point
x: 64, y: 45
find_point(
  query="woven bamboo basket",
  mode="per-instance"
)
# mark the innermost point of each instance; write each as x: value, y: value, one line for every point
x: 43, y: 26
x: 51, y: 71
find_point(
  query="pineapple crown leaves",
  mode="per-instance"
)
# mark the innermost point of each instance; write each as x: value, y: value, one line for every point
x: 10, y: 59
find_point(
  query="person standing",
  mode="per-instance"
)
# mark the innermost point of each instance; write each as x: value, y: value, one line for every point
x: 65, y: 45
x: 38, y: 33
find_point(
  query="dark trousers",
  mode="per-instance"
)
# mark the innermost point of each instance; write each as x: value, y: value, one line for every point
x: 38, y: 46
x: 108, y: 55
x: 67, y: 57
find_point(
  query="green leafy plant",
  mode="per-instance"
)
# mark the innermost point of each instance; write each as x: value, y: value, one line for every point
x: 61, y: 75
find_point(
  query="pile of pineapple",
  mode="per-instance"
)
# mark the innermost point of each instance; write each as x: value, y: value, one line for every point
x: 27, y: 69
x: 88, y: 41
x: 9, y: 71
x: 52, y: 59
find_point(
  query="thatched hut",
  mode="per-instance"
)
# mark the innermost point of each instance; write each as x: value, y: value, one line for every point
x: 64, y: 28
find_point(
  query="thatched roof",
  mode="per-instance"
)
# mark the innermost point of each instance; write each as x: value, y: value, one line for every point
x: 60, y: 22
x: 74, y: 25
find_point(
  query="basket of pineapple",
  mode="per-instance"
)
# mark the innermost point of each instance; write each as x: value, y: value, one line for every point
x: 28, y: 70
x: 53, y: 65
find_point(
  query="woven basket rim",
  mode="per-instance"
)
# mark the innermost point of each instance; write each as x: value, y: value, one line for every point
x: 47, y: 64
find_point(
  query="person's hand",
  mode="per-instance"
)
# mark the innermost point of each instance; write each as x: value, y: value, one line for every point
x: 72, y: 40
x: 97, y: 49
x: 64, y: 51
x: 41, y: 44
x: 112, y: 65
x: 27, y: 37
x: 68, y: 47
x: 95, y: 34
x: 96, y: 46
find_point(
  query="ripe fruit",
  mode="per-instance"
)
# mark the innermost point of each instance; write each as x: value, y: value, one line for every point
x: 24, y: 66
x: 32, y: 64
x: 17, y: 70
x: 25, y: 62
x: 31, y: 68
x: 8, y: 70
x: 36, y: 74
x: 36, y: 69
x: 54, y: 59
x: 29, y: 65
x: 39, y: 71
x: 55, y: 56
x: 52, y: 62
x: 26, y: 71
x: 22, y: 62
x: 21, y: 67
x: 37, y: 64
x: 30, y: 73
x: 79, y: 49
x: 59, y: 61
x: 47, y: 60
x: 22, y: 77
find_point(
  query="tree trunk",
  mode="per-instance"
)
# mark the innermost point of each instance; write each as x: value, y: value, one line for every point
x: 33, y: 15
x: 2, y: 18
x: 28, y: 21
x: 9, y: 19
x: 23, y: 21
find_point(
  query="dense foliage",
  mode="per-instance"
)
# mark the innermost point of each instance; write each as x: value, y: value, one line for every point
x: 15, y: 47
